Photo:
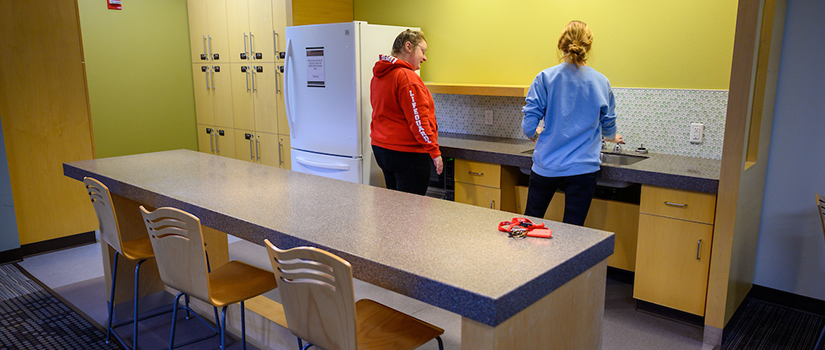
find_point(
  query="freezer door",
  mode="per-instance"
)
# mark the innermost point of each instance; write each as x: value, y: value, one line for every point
x: 334, y: 167
x: 321, y: 89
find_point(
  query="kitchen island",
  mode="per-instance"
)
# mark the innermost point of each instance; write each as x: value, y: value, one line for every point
x: 511, y: 294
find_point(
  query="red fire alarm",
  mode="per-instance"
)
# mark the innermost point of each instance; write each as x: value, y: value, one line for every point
x: 114, y: 4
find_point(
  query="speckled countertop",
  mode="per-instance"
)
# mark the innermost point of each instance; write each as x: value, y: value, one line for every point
x: 680, y: 172
x: 443, y: 253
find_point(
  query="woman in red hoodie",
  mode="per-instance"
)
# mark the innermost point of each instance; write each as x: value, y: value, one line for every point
x: 403, y: 130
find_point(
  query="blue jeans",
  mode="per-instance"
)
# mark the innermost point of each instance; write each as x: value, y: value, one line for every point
x: 578, y: 193
x: 404, y: 171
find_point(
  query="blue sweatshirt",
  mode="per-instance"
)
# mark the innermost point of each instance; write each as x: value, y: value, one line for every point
x: 578, y: 109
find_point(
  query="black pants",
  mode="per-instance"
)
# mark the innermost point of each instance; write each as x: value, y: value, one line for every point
x: 404, y: 171
x: 578, y: 193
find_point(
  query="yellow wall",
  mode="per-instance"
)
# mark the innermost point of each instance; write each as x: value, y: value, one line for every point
x: 638, y: 43
x: 139, y: 76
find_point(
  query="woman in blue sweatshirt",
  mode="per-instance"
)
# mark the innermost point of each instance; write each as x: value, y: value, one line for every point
x: 577, y: 105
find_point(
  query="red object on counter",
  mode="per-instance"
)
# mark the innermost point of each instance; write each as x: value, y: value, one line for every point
x: 524, y: 227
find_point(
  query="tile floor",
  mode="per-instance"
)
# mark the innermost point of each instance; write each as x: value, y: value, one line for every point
x: 77, y: 275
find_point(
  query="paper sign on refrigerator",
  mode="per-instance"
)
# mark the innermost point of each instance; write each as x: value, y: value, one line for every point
x: 315, y: 67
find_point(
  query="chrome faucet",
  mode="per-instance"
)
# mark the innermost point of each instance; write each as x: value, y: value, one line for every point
x: 618, y: 148
x: 603, y: 145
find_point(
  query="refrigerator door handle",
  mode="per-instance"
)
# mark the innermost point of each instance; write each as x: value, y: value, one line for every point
x: 287, y: 94
x: 307, y: 162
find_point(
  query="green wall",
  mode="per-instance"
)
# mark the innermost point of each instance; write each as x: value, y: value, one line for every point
x: 139, y: 76
x: 637, y: 43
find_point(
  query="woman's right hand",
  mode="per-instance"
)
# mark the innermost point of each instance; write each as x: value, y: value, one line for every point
x: 617, y: 139
x: 439, y: 164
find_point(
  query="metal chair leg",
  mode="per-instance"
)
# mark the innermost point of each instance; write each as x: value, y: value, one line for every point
x: 440, y: 343
x: 243, y: 326
x: 135, y: 313
x: 174, y: 318
x: 223, y: 327
x: 300, y: 343
x: 112, y: 299
x: 306, y: 346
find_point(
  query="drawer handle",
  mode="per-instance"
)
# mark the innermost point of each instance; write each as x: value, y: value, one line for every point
x: 676, y: 204
x: 492, y: 204
x: 475, y: 173
x: 698, y: 248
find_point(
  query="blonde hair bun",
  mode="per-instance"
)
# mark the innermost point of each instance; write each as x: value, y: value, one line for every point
x: 575, y: 42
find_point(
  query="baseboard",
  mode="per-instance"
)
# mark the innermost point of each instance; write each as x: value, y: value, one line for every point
x: 11, y: 255
x: 670, y: 313
x: 58, y: 243
x: 620, y: 275
x: 787, y: 299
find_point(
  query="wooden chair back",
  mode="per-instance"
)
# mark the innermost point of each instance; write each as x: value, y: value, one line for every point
x: 317, y: 295
x: 102, y: 202
x: 179, y: 250
x: 820, y: 203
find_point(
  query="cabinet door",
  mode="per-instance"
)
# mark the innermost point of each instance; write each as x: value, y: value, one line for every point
x: 284, y: 152
x: 245, y: 145
x: 237, y: 18
x: 217, y: 42
x: 623, y: 220
x: 222, y: 96
x: 280, y: 105
x: 198, y: 30
x: 672, y: 263
x: 263, y: 97
x: 279, y: 26
x: 225, y: 142
x: 260, y: 28
x: 266, y: 146
x: 204, y: 107
x: 242, y: 105
x: 206, y: 140
x: 481, y: 196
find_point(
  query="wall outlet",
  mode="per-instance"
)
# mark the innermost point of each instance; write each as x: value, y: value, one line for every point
x: 697, y: 131
x: 488, y: 117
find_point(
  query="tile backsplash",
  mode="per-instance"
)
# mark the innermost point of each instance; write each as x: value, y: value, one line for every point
x: 658, y: 118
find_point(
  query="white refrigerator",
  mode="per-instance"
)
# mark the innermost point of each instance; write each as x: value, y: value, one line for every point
x: 327, y: 75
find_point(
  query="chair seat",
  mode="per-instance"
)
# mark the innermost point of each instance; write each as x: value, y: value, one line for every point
x: 380, y: 327
x: 236, y: 281
x: 138, y: 249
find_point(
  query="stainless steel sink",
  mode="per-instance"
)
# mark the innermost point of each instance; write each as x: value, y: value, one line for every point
x: 620, y: 159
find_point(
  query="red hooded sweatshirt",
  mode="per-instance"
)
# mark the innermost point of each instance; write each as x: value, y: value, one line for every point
x: 403, y: 115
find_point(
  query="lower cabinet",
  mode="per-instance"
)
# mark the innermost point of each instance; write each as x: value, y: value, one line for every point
x: 216, y: 140
x: 673, y: 250
x: 485, y: 184
x: 618, y: 217
x: 672, y: 263
x: 284, y: 153
x: 263, y: 148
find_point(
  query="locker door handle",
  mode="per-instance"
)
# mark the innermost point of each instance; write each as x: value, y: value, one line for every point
x: 280, y: 158
x: 203, y: 56
x: 698, y: 248
x: 257, y: 148
x: 210, y: 46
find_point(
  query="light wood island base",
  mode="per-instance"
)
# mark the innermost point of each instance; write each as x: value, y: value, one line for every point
x: 568, y: 318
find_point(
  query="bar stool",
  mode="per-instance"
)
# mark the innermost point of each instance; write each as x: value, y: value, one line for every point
x: 319, y: 305
x: 177, y: 240
x: 138, y: 250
